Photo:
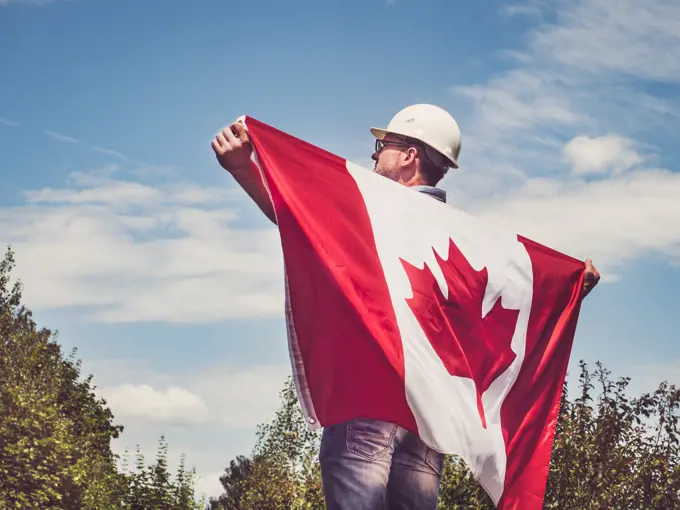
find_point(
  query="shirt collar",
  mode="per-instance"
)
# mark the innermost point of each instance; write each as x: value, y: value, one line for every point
x: 437, y: 193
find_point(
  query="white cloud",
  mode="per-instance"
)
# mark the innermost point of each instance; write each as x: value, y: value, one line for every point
x: 112, y: 192
x: 514, y: 10
x: 256, y: 396
x: 514, y: 127
x: 125, y: 251
x: 210, y: 415
x: 110, y: 152
x: 611, y: 221
x: 519, y: 100
x: 598, y: 155
x: 97, y: 148
x: 635, y: 38
x: 525, y: 8
x: 5, y: 121
x: 170, y: 405
x: 222, y: 394
x: 521, y: 118
x: 528, y: 143
x: 60, y: 137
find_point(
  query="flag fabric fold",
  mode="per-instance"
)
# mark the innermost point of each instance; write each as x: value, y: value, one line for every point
x: 405, y: 309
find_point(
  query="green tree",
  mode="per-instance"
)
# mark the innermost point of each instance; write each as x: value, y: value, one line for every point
x: 55, y: 434
x: 283, y: 473
x: 610, y: 451
x: 613, y: 451
x: 235, y: 483
x: 153, y: 487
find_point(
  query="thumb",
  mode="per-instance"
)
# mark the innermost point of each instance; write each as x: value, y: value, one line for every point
x: 239, y: 129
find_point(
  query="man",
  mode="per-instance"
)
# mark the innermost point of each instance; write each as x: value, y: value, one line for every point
x: 369, y: 464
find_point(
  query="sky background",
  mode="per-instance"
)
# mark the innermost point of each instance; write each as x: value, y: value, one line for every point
x: 136, y: 246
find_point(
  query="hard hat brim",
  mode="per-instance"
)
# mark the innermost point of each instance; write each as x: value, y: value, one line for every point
x: 380, y: 134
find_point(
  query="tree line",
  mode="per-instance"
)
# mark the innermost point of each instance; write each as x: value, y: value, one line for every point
x: 55, y: 434
x: 611, y: 450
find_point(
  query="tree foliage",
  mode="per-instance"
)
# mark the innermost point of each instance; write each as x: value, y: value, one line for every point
x: 153, y: 487
x: 283, y: 473
x: 55, y: 434
x: 610, y: 451
x: 613, y: 451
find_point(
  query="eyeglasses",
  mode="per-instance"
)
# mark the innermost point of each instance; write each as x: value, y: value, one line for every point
x: 380, y: 144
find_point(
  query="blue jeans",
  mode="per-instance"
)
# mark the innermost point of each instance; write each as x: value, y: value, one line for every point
x: 376, y: 465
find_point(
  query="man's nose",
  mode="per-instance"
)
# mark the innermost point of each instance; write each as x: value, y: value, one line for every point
x: 374, y: 157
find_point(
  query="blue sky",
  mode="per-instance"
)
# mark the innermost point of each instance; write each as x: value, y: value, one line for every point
x: 137, y: 247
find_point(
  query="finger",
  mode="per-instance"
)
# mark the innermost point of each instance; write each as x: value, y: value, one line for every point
x: 222, y: 140
x: 216, y: 146
x: 240, y: 130
x: 595, y: 274
x: 229, y: 135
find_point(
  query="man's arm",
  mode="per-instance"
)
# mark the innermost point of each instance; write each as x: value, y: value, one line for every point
x: 233, y: 151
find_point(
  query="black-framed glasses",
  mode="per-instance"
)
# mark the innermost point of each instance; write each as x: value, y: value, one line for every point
x: 380, y: 144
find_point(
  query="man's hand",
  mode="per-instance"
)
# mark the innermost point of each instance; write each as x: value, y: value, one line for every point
x: 592, y: 276
x: 233, y: 148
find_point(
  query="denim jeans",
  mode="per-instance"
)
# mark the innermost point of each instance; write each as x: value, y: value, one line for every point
x: 376, y: 465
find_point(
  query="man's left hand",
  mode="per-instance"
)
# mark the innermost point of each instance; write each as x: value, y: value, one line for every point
x: 592, y: 277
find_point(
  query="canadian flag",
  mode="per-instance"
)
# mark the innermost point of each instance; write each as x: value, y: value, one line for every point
x: 401, y: 308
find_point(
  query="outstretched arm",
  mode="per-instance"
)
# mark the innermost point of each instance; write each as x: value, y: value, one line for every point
x: 233, y: 150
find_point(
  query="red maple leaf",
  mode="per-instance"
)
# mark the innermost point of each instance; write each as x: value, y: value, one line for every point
x: 468, y: 345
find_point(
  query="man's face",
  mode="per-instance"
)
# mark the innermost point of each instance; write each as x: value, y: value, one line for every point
x: 388, y: 162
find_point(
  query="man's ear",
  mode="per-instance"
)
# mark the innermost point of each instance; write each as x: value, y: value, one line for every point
x: 410, y: 155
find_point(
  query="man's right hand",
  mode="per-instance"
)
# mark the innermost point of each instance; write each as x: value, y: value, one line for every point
x: 233, y: 148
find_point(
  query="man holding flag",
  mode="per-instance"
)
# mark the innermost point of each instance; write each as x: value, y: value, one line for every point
x: 442, y: 392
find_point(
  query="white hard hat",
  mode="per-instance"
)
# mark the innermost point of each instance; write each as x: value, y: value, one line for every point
x: 431, y: 125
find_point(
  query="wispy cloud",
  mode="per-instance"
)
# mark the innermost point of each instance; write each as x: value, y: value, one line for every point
x: 108, y: 193
x: 191, y: 398
x: 171, y: 405
x: 110, y: 152
x: 612, y: 220
x: 162, y: 253
x: 579, y: 75
x: 556, y: 147
x: 527, y: 8
x: 635, y: 39
x: 103, y: 150
x: 60, y: 137
x: 9, y: 122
